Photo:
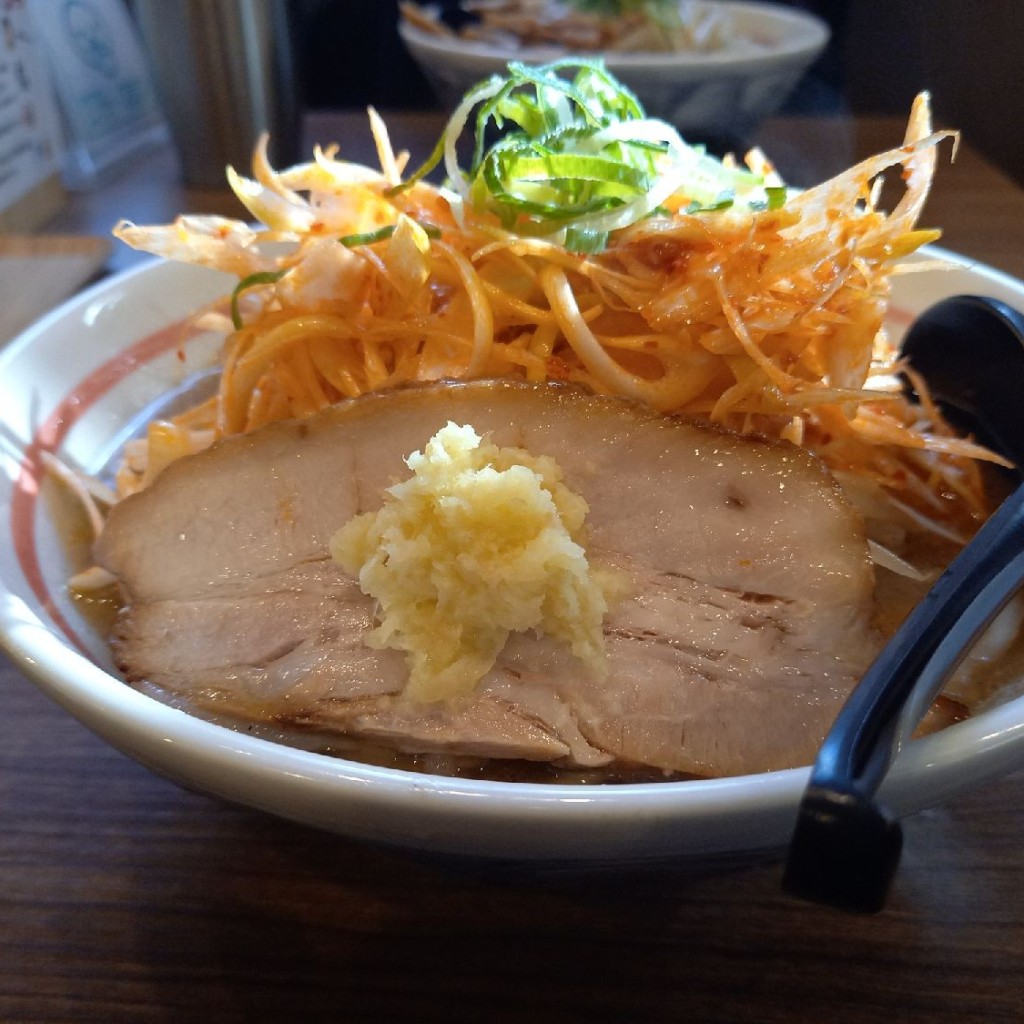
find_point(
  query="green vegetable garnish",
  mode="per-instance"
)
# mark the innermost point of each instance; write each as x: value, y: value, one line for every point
x: 273, y: 276
x: 369, y: 237
x: 263, y: 277
x: 578, y: 157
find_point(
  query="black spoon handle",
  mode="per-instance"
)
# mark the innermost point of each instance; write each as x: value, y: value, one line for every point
x: 845, y: 847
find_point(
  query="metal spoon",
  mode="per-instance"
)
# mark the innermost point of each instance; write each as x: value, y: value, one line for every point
x: 846, y: 847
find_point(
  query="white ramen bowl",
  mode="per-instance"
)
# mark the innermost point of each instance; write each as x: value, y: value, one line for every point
x: 722, y: 92
x: 78, y: 379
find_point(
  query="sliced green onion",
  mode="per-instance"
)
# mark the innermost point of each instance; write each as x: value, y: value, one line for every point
x: 721, y: 202
x: 273, y: 276
x: 421, y: 172
x: 775, y: 197
x: 252, y: 281
x: 584, y: 240
x: 369, y: 237
x: 578, y: 157
x: 478, y: 92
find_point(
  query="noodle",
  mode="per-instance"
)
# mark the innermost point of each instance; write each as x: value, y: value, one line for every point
x: 766, y: 320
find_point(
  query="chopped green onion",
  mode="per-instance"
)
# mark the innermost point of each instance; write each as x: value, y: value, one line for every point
x: 775, y: 198
x: 578, y: 157
x: 422, y: 171
x: 721, y: 202
x: 582, y: 240
x: 369, y: 237
x: 273, y: 276
x: 262, y: 277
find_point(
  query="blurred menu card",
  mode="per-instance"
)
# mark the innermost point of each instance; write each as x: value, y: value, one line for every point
x: 30, y: 189
x: 101, y: 76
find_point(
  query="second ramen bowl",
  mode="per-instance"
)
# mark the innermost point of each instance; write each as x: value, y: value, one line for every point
x: 723, y: 92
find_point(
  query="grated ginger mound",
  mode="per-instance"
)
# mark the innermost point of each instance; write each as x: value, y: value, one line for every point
x: 479, y: 543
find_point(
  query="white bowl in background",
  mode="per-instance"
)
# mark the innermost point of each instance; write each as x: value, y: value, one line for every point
x: 73, y: 381
x: 721, y: 93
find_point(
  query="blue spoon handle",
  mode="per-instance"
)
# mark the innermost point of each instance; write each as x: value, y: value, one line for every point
x: 845, y: 848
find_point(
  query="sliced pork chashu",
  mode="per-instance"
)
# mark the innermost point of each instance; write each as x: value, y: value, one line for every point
x: 747, y: 619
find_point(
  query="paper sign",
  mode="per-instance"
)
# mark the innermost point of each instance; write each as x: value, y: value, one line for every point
x: 102, y: 81
x: 28, y: 134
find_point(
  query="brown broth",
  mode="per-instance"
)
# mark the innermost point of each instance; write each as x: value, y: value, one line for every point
x: 98, y: 608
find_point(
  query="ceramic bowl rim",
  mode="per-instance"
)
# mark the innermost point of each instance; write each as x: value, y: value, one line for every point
x: 927, y: 771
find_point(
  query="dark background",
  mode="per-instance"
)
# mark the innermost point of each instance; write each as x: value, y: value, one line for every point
x: 882, y: 53
x: 349, y: 54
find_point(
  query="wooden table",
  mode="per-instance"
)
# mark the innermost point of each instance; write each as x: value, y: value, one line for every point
x: 125, y: 898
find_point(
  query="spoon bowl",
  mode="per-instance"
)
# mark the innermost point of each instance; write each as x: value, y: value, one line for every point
x: 969, y: 351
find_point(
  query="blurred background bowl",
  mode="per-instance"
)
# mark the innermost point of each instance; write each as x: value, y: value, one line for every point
x: 722, y: 93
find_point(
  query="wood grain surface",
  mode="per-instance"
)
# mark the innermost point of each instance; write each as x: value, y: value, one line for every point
x: 124, y: 898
